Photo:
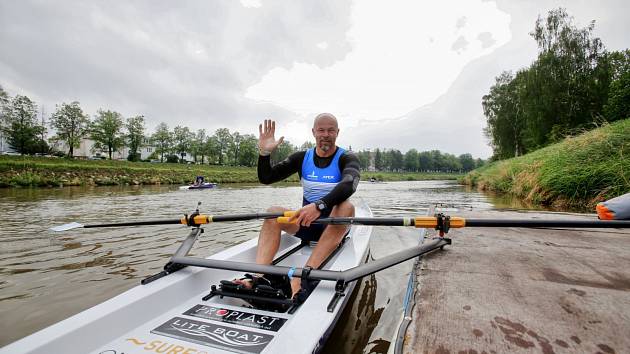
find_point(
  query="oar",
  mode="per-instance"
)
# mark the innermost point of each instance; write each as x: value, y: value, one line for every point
x: 458, y: 222
x: 192, y: 220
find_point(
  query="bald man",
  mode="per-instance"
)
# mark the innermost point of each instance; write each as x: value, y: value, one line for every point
x: 329, y: 176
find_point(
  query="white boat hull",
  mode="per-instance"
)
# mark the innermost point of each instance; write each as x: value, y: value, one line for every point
x: 169, y: 316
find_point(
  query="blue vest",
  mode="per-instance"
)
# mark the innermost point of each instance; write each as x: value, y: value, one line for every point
x: 318, y: 182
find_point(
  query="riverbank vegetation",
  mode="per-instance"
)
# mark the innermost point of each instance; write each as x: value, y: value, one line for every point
x: 24, y: 171
x: 578, y: 172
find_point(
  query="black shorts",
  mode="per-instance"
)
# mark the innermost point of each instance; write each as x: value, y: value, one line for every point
x: 313, y: 232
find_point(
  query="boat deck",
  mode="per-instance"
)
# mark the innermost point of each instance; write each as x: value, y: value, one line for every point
x: 524, y: 290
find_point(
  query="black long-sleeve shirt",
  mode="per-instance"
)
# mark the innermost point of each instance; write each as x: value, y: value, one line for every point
x: 348, y: 165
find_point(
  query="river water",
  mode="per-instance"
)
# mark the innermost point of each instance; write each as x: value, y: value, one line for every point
x: 46, y: 276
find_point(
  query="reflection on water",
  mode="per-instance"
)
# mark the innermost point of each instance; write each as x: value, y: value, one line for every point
x: 46, y: 277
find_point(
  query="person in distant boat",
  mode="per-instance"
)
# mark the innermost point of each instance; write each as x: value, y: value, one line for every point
x: 198, y: 181
x: 329, y: 175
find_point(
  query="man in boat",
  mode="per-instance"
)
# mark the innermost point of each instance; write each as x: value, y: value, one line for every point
x: 329, y: 175
x: 198, y: 181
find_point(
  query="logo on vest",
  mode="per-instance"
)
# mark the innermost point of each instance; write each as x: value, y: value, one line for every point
x: 312, y: 175
x: 328, y: 177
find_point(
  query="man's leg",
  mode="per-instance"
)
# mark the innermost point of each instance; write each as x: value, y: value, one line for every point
x: 269, y: 238
x: 328, y: 241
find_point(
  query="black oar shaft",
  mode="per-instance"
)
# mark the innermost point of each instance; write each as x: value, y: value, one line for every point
x: 366, y: 221
x: 136, y: 223
x: 242, y: 217
x: 548, y: 223
x: 199, y: 219
x: 457, y: 222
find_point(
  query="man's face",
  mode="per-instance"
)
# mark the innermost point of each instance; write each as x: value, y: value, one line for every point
x: 325, y: 132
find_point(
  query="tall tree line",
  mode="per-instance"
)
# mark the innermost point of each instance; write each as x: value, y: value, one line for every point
x: 573, y: 85
x: 414, y: 161
x: 110, y: 132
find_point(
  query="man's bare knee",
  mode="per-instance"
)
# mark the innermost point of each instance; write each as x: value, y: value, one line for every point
x: 289, y: 228
x: 276, y: 209
x: 344, y: 208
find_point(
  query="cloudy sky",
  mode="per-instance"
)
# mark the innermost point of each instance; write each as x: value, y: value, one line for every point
x: 397, y: 74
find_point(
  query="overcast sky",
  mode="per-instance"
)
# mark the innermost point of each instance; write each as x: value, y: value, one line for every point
x: 396, y: 74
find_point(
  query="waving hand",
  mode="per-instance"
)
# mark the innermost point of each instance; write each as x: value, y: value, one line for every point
x: 267, y: 142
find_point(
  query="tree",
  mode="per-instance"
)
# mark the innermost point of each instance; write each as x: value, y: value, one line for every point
x: 135, y: 136
x: 71, y: 125
x: 425, y: 163
x: 4, y: 100
x: 248, y: 155
x: 212, y: 149
x: 618, y: 105
x: 163, y: 140
x: 364, y: 159
x: 451, y: 163
x: 411, y: 160
x: 502, y: 109
x: 106, y: 131
x: 307, y: 145
x: 467, y: 162
x: 182, y: 138
x: 235, y: 146
x: 394, y: 160
x: 19, y: 123
x: 437, y: 160
x: 378, y: 160
x: 223, y: 139
x: 282, y: 151
x: 569, y: 80
x: 196, y: 145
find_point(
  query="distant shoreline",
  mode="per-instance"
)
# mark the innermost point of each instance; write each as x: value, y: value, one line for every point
x: 26, y: 171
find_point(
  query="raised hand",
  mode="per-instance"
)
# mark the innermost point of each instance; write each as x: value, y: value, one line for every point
x: 267, y: 142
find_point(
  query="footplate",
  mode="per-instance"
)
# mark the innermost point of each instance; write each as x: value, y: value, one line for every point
x: 261, y: 297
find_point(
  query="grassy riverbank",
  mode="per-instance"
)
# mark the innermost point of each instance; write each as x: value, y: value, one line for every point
x: 577, y: 172
x: 17, y: 171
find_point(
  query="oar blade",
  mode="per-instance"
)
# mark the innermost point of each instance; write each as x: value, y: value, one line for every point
x: 66, y: 227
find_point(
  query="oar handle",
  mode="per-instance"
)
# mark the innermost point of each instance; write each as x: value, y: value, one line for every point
x: 202, y: 219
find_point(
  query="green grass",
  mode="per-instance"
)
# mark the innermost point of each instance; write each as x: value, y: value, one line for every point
x: 17, y: 171
x: 41, y: 171
x: 409, y: 176
x: 578, y: 172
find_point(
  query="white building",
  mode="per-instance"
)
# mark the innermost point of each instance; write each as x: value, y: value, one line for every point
x: 86, y: 150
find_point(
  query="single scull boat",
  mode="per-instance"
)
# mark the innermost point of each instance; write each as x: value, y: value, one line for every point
x: 173, y: 313
x: 169, y: 315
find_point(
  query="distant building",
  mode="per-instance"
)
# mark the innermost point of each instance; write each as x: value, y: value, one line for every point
x: 4, y: 145
x: 86, y: 150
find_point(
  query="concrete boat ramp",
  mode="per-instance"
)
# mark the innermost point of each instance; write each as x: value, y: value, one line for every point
x: 499, y: 290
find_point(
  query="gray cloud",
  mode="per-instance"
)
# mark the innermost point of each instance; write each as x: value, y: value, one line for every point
x: 461, y: 22
x: 460, y: 44
x: 486, y: 39
x: 175, y: 63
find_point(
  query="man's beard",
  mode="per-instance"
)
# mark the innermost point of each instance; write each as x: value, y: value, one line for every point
x: 325, y: 146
